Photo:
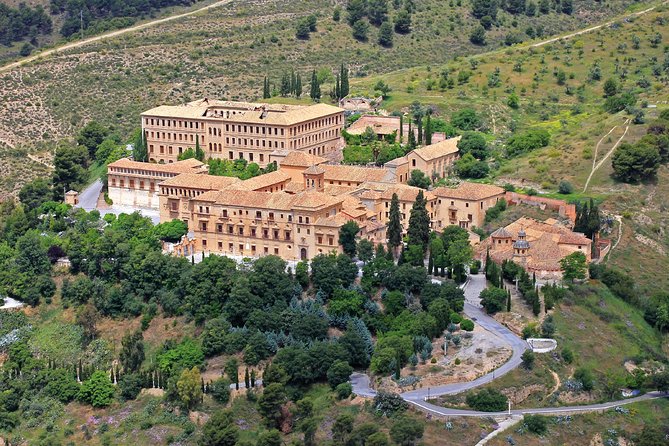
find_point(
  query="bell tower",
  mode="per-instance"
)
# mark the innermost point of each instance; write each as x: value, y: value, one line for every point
x: 314, y: 178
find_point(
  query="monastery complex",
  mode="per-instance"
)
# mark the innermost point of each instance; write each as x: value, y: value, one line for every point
x: 296, y: 211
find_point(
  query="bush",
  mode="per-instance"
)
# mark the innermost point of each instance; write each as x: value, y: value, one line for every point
x: 339, y: 373
x: 220, y: 390
x: 467, y: 325
x: 344, y: 390
x: 567, y: 355
x: 98, y: 391
x: 536, y: 424
x: 527, y: 141
x: 584, y: 376
x: 487, y: 400
x: 565, y: 187
x: 389, y: 404
x: 130, y: 385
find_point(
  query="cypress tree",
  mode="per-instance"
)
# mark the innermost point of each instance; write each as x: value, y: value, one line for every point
x: 344, y: 89
x: 419, y: 222
x: 401, y: 129
x: 298, y: 86
x: 253, y: 378
x: 430, y: 264
x: 293, y: 83
x: 247, y: 379
x: 428, y: 131
x: 419, y: 123
x: 139, y: 152
x: 394, y: 224
x: 337, y: 88
x: 397, y: 367
x: 508, y: 300
x: 265, y: 90
x: 199, y: 153
x: 315, y: 92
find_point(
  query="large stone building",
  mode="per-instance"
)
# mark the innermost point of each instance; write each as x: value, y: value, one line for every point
x: 241, y: 130
x: 535, y: 245
x: 465, y: 205
x: 434, y: 160
x: 133, y: 183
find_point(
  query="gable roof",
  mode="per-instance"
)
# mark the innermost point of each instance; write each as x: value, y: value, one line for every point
x: 298, y: 158
x: 186, y: 166
x: 437, y: 150
x: 200, y: 181
x: 263, y: 181
x: 469, y: 191
x: 356, y: 174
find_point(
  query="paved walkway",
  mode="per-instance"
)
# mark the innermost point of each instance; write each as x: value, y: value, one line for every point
x: 418, y: 397
x: 88, y: 200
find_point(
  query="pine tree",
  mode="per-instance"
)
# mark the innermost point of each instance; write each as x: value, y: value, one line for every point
x: 344, y: 88
x: 199, y: 153
x: 419, y: 222
x: 394, y: 224
x: 315, y: 91
x: 428, y: 130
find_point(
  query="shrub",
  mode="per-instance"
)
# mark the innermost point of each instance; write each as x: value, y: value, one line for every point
x: 527, y: 141
x: 584, y: 376
x: 130, y: 385
x: 389, y: 404
x: 467, y: 325
x: 98, y: 391
x: 344, y: 390
x: 487, y: 400
x: 565, y: 187
x: 567, y: 355
x: 536, y: 424
x: 220, y: 390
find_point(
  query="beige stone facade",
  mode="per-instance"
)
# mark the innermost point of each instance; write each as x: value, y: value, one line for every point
x: 465, y: 205
x: 241, y: 130
x: 133, y: 183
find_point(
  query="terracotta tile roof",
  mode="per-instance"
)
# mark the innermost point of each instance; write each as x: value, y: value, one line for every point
x: 469, y: 191
x: 263, y: 181
x: 501, y: 233
x: 377, y: 128
x: 269, y: 200
x: 372, y: 121
x: 574, y: 238
x: 397, y: 162
x: 437, y: 150
x: 335, y: 189
x: 314, y: 170
x: 198, y: 181
x: 356, y: 174
x: 314, y: 199
x: 185, y: 166
x: 294, y: 187
x: 176, y: 111
x: 257, y: 113
x: 301, y: 159
x: 335, y: 221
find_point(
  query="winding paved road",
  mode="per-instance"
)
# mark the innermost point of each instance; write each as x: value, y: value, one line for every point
x: 418, y: 397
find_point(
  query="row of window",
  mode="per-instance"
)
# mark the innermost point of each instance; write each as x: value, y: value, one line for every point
x: 250, y: 129
x: 332, y: 120
x: 131, y: 184
x: 313, y: 139
x: 167, y: 136
x: 173, y: 123
x: 246, y: 142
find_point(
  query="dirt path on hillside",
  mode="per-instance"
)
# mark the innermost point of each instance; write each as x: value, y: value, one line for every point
x: 117, y: 33
x: 597, y: 164
x: 596, y: 27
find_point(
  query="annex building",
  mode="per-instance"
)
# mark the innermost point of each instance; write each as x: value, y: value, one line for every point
x: 241, y: 130
x: 538, y: 246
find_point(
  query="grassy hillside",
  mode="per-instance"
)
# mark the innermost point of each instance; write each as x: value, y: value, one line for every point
x: 226, y: 52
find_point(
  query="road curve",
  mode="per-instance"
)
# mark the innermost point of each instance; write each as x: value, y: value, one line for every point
x: 69, y: 46
x: 418, y: 397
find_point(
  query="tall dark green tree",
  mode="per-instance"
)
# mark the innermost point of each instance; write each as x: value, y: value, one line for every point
x: 139, y: 152
x: 419, y: 222
x: 355, y: 10
x: 266, y: 94
x: 428, y: 130
x: 343, y: 76
x: 377, y: 11
x: 394, y: 223
x: 70, y: 169
x: 386, y: 35
x: 298, y: 85
x: 285, y: 88
x: 199, y: 153
x: 347, y: 234
x: 337, y: 89
x: 315, y: 90
x: 132, y: 351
